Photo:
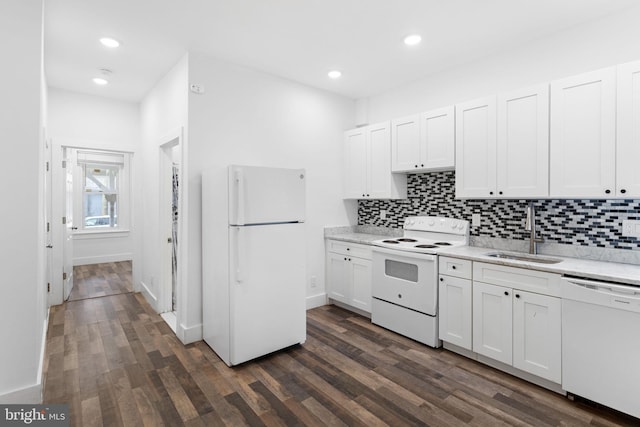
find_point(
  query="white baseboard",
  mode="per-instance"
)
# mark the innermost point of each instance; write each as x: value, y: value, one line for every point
x: 149, y: 296
x: 316, y: 301
x: 127, y: 256
x: 189, y: 334
x: 29, y: 395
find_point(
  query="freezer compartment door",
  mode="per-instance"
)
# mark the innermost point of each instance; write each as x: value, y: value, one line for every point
x: 260, y: 195
x: 267, y: 289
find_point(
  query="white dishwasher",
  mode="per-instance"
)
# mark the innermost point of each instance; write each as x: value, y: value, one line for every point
x: 601, y: 342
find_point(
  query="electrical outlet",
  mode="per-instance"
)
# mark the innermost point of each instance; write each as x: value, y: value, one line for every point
x: 313, y: 281
x: 630, y: 228
x: 383, y: 214
x: 475, y: 220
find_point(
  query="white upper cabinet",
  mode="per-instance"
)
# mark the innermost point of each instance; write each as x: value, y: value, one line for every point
x: 523, y: 143
x: 583, y: 135
x: 368, y: 165
x: 628, y: 138
x: 476, y: 148
x: 423, y: 142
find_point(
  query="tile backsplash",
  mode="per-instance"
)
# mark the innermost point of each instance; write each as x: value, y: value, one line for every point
x: 596, y: 223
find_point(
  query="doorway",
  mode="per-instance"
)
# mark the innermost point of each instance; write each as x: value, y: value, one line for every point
x: 170, y: 182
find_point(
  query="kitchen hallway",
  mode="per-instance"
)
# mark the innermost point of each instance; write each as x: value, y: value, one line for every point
x: 116, y: 362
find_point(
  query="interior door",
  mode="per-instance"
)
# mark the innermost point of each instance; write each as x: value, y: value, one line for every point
x: 68, y: 227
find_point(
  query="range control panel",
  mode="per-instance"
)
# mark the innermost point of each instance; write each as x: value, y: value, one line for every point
x: 437, y: 224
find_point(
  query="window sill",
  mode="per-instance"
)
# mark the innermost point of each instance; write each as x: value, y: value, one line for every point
x: 100, y: 234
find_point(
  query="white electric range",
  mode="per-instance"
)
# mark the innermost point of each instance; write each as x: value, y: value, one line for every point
x: 405, y: 274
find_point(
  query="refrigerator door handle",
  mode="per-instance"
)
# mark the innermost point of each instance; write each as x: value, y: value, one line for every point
x: 239, y: 255
x: 239, y: 197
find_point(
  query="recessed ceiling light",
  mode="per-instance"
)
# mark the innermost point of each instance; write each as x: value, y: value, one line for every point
x: 412, y: 40
x: 335, y: 74
x: 109, y: 42
x: 100, y: 81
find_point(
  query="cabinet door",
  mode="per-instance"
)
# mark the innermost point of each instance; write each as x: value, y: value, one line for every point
x: 405, y: 144
x: 355, y: 165
x: 583, y: 135
x: 536, y: 335
x: 454, y: 298
x: 379, y: 161
x: 359, y: 271
x: 476, y: 148
x: 337, y: 277
x: 523, y: 143
x: 492, y: 321
x: 628, y: 139
x: 437, y: 139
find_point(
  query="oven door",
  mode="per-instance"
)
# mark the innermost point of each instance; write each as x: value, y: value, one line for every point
x: 408, y: 279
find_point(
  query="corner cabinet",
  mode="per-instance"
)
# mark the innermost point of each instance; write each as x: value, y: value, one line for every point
x: 424, y: 142
x: 583, y: 135
x: 502, y: 145
x: 348, y: 270
x: 367, y: 166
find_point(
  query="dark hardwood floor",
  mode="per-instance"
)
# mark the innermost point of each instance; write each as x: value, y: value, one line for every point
x: 98, y: 280
x: 116, y: 362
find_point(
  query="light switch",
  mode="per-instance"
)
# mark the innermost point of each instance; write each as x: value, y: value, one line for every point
x: 475, y: 220
x: 383, y: 214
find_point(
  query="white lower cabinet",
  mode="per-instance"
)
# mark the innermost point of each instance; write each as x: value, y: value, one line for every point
x: 492, y: 322
x: 348, y: 268
x: 507, y: 314
x: 518, y: 325
x: 454, y: 302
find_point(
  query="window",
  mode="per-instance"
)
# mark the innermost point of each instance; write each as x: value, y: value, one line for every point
x: 103, y: 184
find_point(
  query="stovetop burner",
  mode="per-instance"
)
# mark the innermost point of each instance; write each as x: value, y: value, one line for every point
x: 428, y: 235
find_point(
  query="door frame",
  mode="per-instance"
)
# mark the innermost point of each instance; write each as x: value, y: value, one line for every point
x: 166, y: 147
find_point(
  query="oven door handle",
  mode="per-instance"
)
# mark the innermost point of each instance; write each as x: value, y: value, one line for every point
x: 406, y: 254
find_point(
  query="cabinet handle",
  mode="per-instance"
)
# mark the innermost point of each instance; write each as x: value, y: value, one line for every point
x: 345, y: 258
x: 349, y: 259
x: 421, y: 165
x: 453, y: 267
x: 491, y: 193
x: 607, y: 191
x: 517, y: 295
x: 363, y: 195
x: 367, y: 195
x: 348, y: 249
x: 506, y: 293
x: 500, y: 192
x: 415, y: 166
x: 399, y: 295
x: 623, y: 191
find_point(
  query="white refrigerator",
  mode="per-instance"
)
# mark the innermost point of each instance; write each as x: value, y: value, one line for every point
x: 254, y: 260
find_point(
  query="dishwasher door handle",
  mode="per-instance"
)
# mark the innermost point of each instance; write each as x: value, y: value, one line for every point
x: 624, y: 290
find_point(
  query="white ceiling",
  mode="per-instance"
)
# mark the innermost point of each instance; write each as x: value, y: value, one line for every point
x: 297, y: 39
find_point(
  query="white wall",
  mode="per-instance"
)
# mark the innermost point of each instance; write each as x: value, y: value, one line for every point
x: 22, y: 309
x: 601, y: 43
x: 80, y: 120
x: 163, y: 116
x: 249, y: 117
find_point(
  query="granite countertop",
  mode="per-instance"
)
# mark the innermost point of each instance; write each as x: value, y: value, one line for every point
x: 589, y: 269
x: 597, y: 270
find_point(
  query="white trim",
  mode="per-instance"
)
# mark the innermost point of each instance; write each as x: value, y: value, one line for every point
x: 100, y: 234
x: 170, y: 319
x: 43, y: 348
x: 316, y: 301
x: 127, y: 256
x: 190, y: 334
x: 149, y: 296
x: 27, y: 395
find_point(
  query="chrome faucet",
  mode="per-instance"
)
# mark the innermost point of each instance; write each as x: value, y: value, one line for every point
x: 530, y: 225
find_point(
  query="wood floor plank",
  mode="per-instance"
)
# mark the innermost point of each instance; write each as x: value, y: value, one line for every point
x: 116, y: 362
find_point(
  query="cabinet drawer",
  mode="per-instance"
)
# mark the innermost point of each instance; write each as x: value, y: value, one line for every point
x: 454, y: 267
x: 346, y: 248
x: 540, y: 282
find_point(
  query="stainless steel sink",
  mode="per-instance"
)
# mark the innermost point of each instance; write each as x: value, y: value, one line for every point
x: 524, y: 257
